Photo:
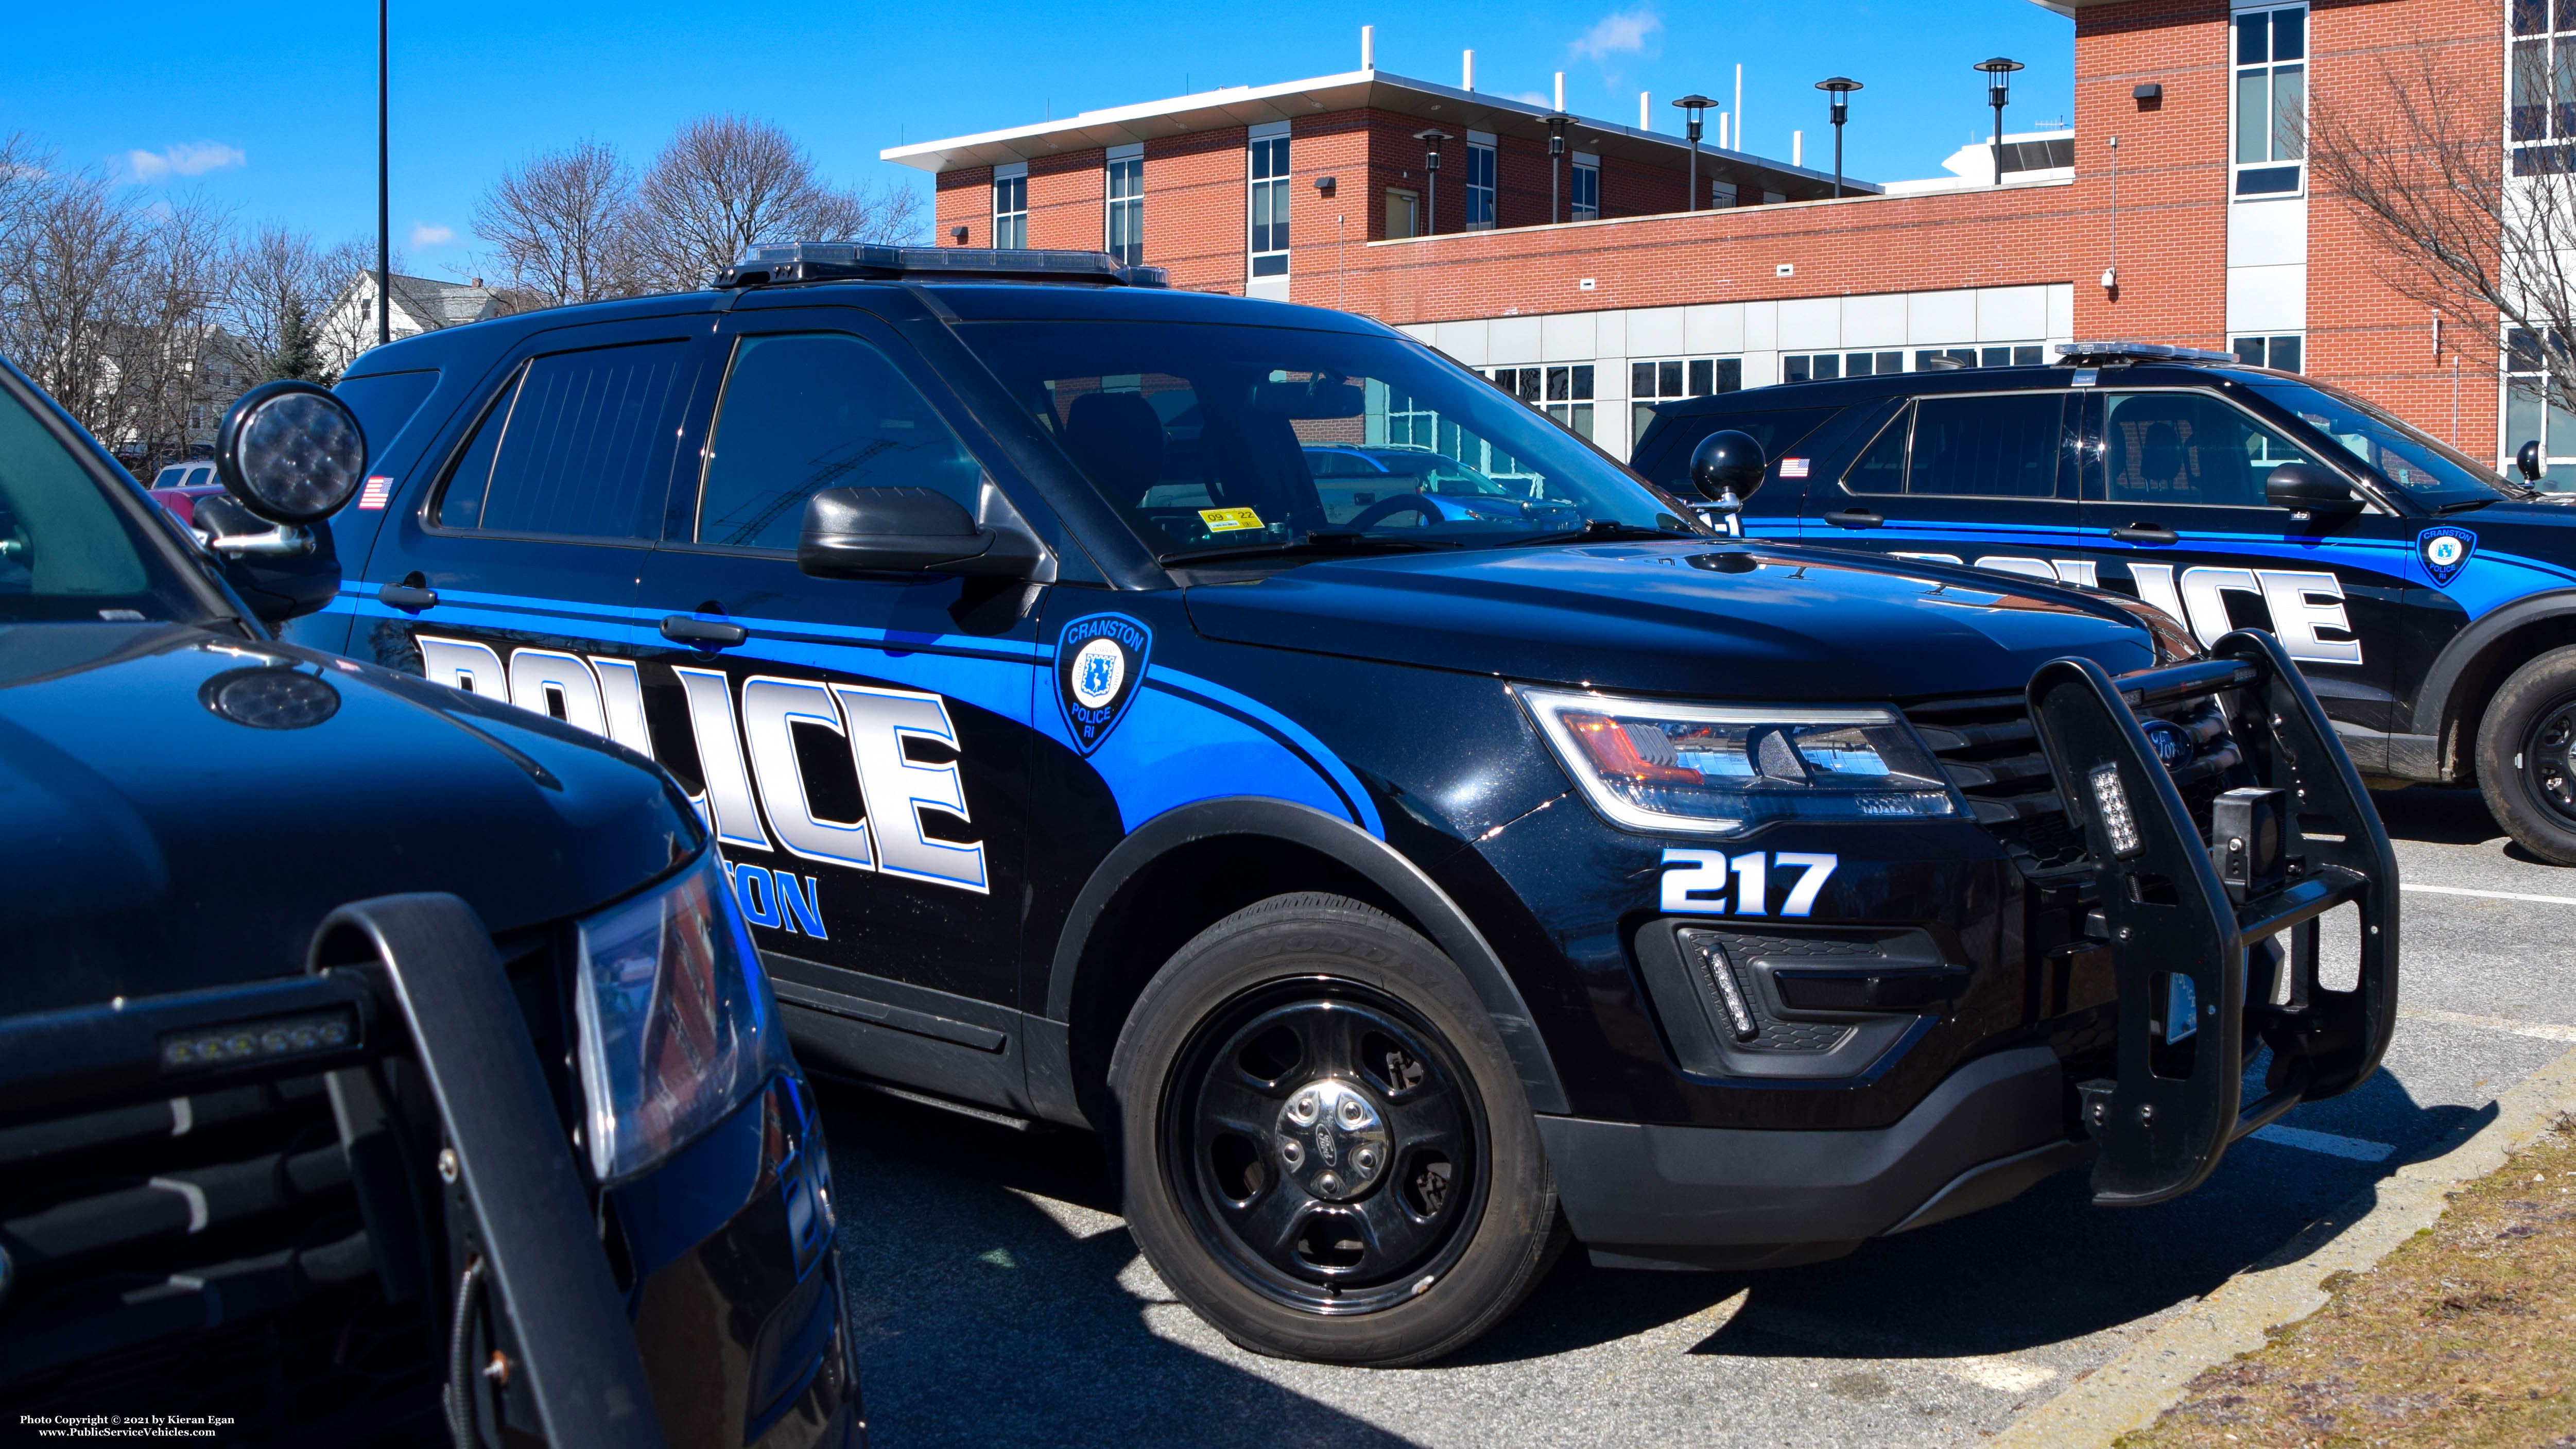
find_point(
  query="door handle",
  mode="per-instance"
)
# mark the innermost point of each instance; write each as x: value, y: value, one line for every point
x: 407, y: 595
x: 715, y: 633
x: 1853, y: 518
x: 2146, y: 533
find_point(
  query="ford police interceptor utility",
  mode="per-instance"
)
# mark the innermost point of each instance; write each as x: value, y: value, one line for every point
x: 1403, y: 884
x: 2431, y: 604
x: 378, y: 1064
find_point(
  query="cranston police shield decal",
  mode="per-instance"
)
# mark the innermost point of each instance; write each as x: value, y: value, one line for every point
x: 1099, y: 665
x: 2445, y: 551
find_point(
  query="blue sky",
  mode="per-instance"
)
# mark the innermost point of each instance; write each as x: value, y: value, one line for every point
x: 272, y: 111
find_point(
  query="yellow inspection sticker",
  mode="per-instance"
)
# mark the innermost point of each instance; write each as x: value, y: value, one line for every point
x: 1227, y: 520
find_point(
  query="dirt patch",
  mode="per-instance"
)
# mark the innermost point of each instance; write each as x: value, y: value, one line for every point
x: 2464, y: 1336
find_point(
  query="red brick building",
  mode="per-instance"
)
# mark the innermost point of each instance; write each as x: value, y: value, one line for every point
x: 2187, y: 215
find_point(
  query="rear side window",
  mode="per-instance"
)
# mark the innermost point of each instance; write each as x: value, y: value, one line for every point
x: 384, y: 403
x: 578, y: 445
x: 2001, y: 445
x: 807, y: 411
x: 1996, y: 445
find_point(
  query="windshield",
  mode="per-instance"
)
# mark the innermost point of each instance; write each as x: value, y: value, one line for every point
x: 2431, y: 473
x: 67, y: 552
x: 1214, y: 439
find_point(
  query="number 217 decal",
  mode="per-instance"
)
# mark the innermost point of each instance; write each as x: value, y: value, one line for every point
x: 1709, y: 882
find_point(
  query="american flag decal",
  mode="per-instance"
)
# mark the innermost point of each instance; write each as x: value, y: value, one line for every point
x: 377, y: 490
x: 1789, y: 468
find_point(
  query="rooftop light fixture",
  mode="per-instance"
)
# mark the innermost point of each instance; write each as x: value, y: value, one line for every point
x: 1692, y: 106
x: 1431, y: 137
x: 1840, y: 88
x: 1556, y: 125
x: 1998, y: 92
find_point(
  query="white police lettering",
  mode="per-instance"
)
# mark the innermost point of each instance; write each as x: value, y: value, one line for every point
x: 1695, y: 881
x: 771, y: 709
x: 899, y: 788
x: 763, y: 784
x: 2299, y: 603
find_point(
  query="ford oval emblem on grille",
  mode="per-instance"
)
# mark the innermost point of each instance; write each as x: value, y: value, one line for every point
x: 2172, y: 742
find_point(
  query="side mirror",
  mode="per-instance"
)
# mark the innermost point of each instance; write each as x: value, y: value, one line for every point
x: 854, y: 531
x: 291, y: 452
x: 2526, y: 460
x: 2305, y: 488
x: 1727, y: 468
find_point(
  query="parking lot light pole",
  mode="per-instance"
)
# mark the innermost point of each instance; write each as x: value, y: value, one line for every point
x: 1840, y: 89
x: 1692, y: 106
x: 1556, y: 125
x: 384, y: 184
x: 1431, y: 137
x: 1998, y: 91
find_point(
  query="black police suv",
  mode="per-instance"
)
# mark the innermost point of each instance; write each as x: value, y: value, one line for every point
x: 378, y: 1064
x: 2431, y: 604
x: 1408, y: 837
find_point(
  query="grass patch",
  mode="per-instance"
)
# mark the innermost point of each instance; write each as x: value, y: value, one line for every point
x: 2464, y: 1336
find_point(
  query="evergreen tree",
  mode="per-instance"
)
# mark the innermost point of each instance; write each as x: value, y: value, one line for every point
x: 299, y: 349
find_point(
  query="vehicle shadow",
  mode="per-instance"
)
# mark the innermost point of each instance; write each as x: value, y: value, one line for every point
x: 984, y: 1318
x: 2442, y: 815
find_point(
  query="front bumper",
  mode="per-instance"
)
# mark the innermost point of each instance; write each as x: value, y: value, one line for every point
x: 2120, y: 1034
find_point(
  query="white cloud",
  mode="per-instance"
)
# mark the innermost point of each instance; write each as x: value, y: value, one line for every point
x: 425, y: 235
x: 186, y: 159
x: 1620, y: 32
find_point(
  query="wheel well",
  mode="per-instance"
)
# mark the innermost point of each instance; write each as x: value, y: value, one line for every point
x: 1157, y: 910
x: 2485, y: 673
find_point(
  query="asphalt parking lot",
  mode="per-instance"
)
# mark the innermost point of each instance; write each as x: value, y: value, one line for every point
x: 999, y: 1299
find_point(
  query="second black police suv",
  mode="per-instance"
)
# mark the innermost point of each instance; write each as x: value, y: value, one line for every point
x: 2431, y: 604
x: 378, y: 1064
x: 1410, y: 839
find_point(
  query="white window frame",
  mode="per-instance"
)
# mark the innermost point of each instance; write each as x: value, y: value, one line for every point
x: 2270, y: 71
x: 1125, y: 163
x: 1484, y: 154
x: 1715, y: 362
x: 1281, y: 193
x: 1585, y: 164
x: 1018, y: 236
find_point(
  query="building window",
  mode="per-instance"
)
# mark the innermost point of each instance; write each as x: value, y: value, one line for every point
x: 2274, y: 352
x: 2544, y: 87
x: 1587, y: 188
x: 2271, y: 100
x: 1664, y: 379
x: 1480, y: 183
x: 1721, y: 194
x: 1827, y: 366
x: 2531, y: 416
x: 1563, y: 393
x: 1011, y: 206
x: 1270, y: 206
x: 1403, y: 214
x: 1127, y: 204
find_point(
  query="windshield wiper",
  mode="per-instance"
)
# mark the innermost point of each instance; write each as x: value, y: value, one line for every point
x: 2465, y: 504
x: 1598, y: 529
x: 1320, y: 542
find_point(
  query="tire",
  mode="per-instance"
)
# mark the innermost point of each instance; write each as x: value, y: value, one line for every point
x: 1295, y: 1012
x: 2525, y: 769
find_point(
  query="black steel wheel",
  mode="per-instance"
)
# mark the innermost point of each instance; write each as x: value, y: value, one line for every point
x: 2526, y: 756
x: 1323, y: 1148
x: 1326, y: 1142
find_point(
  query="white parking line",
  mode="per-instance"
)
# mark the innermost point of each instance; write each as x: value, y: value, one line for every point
x: 2325, y: 1142
x: 2434, y: 890
x: 2544, y: 1030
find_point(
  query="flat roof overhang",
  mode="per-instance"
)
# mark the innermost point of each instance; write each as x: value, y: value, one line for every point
x: 1455, y: 111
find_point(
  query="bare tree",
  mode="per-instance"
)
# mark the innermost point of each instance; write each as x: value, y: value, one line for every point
x: 727, y: 182
x: 66, y: 293
x: 558, y: 227
x: 2478, y: 229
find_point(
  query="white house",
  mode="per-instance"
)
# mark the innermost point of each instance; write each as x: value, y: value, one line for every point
x: 420, y: 304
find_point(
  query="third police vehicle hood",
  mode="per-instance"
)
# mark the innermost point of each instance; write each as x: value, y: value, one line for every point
x: 1683, y: 617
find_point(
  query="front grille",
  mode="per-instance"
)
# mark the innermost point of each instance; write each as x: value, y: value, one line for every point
x: 1987, y: 747
x: 204, y: 1255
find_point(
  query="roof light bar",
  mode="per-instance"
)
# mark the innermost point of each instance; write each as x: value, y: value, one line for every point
x: 778, y: 263
x: 2139, y: 352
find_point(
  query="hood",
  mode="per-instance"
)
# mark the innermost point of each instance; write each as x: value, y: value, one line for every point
x: 1672, y: 618
x: 180, y: 809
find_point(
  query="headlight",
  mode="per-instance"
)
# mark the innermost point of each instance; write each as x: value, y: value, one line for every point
x: 1724, y: 769
x: 677, y: 1024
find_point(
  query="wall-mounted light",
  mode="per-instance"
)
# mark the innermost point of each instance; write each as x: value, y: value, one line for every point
x: 1324, y: 186
x: 957, y: 234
